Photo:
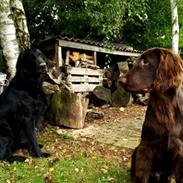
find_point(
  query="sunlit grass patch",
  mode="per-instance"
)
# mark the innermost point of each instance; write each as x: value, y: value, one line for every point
x: 75, y: 170
x: 83, y: 169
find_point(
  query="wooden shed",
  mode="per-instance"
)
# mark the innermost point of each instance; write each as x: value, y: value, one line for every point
x: 82, y: 61
x: 83, y: 56
x: 58, y: 46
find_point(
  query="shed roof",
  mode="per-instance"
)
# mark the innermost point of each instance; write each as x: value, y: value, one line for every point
x: 115, y: 48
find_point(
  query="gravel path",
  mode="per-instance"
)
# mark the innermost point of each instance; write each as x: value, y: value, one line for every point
x: 124, y: 132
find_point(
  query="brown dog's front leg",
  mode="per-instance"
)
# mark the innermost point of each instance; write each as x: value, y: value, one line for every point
x: 141, y: 164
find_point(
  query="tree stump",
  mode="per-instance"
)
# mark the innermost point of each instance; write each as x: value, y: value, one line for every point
x: 68, y: 109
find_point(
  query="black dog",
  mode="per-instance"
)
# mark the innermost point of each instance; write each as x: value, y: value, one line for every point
x: 23, y: 105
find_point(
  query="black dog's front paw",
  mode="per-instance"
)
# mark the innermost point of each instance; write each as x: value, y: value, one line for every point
x: 39, y: 154
x: 40, y: 146
x: 45, y: 154
x: 12, y: 159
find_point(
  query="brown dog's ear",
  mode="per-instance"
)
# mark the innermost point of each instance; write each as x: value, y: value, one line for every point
x: 170, y: 70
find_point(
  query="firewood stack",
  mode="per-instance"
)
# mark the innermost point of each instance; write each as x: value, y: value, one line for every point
x: 81, y: 60
x: 111, y: 93
x: 77, y: 77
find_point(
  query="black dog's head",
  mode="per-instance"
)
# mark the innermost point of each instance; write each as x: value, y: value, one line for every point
x: 32, y: 61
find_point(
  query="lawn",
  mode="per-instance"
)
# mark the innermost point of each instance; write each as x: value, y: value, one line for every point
x: 71, y: 161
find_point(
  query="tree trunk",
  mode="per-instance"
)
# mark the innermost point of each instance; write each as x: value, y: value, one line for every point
x: 20, y: 22
x: 175, y: 26
x: 68, y: 109
x: 8, y: 40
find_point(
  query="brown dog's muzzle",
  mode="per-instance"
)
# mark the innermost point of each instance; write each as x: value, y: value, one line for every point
x: 122, y: 81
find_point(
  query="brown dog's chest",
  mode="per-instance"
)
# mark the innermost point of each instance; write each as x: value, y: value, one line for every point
x: 162, y: 121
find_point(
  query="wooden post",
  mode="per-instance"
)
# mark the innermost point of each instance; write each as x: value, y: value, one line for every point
x: 67, y: 57
x: 95, y: 57
x: 58, y: 55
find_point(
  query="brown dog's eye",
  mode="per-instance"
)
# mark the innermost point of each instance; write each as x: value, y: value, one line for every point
x: 144, y: 62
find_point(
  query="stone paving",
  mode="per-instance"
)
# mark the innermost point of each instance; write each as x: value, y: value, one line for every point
x: 124, y: 132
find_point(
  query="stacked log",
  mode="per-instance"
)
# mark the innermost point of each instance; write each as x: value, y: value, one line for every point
x: 77, y: 77
x: 111, y: 93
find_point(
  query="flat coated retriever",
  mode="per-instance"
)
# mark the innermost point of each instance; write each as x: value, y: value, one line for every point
x: 23, y: 105
x: 160, y: 152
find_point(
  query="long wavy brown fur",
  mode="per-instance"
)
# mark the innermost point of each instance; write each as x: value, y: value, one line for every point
x: 170, y: 71
x: 169, y: 75
x: 160, y: 151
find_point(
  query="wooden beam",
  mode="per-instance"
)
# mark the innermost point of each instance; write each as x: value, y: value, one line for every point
x: 95, y: 57
x: 67, y: 57
x: 84, y: 71
x: 60, y: 59
x: 86, y: 87
x: 84, y: 79
x: 71, y: 44
x: 58, y: 55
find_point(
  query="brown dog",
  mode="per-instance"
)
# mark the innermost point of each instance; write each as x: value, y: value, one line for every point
x: 160, y: 152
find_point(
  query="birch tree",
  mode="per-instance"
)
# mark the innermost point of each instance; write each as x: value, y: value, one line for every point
x: 13, y: 32
x: 20, y: 22
x: 175, y: 26
x: 8, y: 38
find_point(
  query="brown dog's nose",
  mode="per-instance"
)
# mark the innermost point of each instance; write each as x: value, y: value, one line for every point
x: 122, y: 80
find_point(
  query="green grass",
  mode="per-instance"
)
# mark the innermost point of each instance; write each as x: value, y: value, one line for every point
x: 78, y: 169
x: 82, y: 169
x: 70, y: 162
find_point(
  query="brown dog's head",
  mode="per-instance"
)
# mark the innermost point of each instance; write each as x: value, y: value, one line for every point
x: 156, y: 69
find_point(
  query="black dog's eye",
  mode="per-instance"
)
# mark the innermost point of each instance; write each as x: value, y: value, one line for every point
x: 42, y: 64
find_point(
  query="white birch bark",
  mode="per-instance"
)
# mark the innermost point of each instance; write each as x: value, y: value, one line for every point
x: 20, y: 21
x: 175, y: 26
x: 8, y: 38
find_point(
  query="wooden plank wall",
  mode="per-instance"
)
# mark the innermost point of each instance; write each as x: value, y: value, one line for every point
x: 84, y: 79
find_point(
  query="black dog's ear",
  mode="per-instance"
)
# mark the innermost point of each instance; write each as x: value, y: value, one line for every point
x: 170, y: 70
x: 21, y: 61
x: 31, y: 61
